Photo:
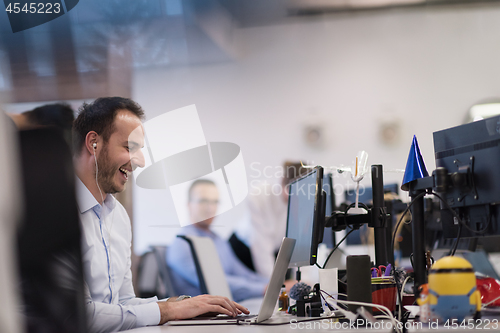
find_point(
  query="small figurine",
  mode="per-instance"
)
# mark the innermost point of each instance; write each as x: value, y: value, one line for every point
x: 423, y: 302
x: 452, y: 289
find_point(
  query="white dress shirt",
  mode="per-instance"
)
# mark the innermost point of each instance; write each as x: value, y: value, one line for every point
x: 106, y: 240
x: 265, y: 227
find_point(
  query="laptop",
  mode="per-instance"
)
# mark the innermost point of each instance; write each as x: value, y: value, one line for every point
x: 268, y: 304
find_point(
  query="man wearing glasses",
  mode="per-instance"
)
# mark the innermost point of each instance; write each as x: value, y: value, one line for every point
x: 203, y: 199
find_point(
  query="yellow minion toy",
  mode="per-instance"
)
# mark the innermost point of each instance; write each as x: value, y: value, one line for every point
x: 452, y: 289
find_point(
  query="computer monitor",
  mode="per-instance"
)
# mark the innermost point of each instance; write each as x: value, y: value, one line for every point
x: 329, y: 235
x: 471, y: 155
x: 305, y: 217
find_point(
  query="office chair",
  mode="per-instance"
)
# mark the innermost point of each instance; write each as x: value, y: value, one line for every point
x: 163, y: 270
x: 208, y: 266
x: 148, y: 280
x: 154, y: 278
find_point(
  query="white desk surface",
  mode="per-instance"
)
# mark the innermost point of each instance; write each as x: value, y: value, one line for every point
x: 282, y: 329
x: 253, y: 305
x: 233, y: 328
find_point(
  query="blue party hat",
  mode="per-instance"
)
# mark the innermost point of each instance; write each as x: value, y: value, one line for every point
x: 415, y: 166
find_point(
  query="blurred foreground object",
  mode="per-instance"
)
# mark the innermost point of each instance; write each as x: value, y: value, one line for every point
x: 10, y: 202
x: 58, y: 115
x: 49, y: 240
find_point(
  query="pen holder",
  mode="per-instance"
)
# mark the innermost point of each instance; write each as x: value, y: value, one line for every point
x: 384, y: 293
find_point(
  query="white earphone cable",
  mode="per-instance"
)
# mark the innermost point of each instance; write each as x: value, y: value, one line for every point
x: 104, y: 215
x: 96, y: 173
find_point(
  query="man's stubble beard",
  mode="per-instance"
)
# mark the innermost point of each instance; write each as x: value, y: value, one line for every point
x: 106, y: 172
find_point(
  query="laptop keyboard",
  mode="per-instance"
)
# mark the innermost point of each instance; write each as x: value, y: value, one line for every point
x: 238, y: 317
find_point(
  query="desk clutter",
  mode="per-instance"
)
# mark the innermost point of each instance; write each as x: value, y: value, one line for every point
x: 464, y: 209
x: 453, y: 295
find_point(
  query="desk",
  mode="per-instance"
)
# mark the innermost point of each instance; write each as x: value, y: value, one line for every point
x: 283, y: 329
x: 244, y: 329
x: 253, y: 306
x: 306, y: 327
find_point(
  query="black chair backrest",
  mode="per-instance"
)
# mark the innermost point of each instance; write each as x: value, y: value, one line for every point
x: 153, y: 278
x: 148, y: 284
x: 165, y: 276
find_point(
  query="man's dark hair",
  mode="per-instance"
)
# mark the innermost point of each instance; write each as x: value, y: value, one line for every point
x: 60, y: 115
x: 199, y: 182
x: 99, y: 116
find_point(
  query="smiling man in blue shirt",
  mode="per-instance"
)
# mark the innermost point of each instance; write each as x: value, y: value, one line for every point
x: 107, y: 141
x: 203, y: 199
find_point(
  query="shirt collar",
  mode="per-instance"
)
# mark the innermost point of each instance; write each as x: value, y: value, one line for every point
x: 200, y: 232
x: 86, y: 200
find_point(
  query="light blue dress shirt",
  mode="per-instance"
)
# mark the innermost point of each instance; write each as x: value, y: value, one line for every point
x: 243, y: 282
x: 106, y: 238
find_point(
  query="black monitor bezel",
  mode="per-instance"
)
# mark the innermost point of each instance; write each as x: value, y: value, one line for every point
x: 318, y: 199
x: 329, y: 177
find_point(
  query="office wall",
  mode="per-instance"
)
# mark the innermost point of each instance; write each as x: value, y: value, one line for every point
x: 353, y: 73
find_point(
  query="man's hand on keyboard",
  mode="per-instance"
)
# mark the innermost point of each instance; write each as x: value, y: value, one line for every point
x: 198, y: 305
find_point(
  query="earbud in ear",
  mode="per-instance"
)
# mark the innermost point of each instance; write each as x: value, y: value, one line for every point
x: 94, y: 145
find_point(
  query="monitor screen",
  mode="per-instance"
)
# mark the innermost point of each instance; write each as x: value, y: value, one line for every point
x: 304, y: 208
x: 329, y: 235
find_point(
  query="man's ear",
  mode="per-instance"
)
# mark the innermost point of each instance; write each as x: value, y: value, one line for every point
x: 92, y: 142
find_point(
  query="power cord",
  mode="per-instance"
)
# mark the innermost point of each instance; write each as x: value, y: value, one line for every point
x: 457, y: 240
x: 387, y: 313
x: 401, y: 298
x: 401, y: 218
x: 462, y: 223
x: 336, y: 246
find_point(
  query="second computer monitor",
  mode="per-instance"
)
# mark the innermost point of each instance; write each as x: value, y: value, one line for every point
x: 304, y: 220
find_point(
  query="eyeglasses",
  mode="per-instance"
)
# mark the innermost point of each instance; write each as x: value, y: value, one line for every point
x: 205, y: 202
